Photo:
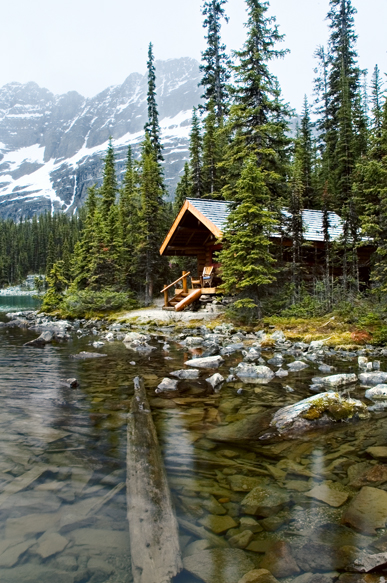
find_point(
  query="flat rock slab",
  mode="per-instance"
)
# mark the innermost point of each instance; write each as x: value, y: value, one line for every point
x: 35, y: 573
x: 378, y: 452
x: 107, y: 539
x: 368, y: 511
x: 51, y: 544
x: 280, y: 561
x: 218, y: 524
x: 219, y: 565
x: 207, y: 362
x: 328, y: 494
x: 264, y: 501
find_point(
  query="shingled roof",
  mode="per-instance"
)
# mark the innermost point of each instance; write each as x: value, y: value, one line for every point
x: 217, y: 212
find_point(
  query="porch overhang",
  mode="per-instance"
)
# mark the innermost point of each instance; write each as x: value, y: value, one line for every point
x: 190, y: 233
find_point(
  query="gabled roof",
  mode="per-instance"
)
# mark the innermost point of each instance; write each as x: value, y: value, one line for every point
x: 213, y: 215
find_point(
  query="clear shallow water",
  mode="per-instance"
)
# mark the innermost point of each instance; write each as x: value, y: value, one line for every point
x: 15, y: 303
x: 63, y: 466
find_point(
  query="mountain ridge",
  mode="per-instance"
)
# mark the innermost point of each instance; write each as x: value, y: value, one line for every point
x: 52, y: 146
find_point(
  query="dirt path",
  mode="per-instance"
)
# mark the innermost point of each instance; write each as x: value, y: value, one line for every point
x: 157, y: 314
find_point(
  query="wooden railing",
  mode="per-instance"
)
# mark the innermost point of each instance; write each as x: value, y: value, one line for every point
x: 185, y: 286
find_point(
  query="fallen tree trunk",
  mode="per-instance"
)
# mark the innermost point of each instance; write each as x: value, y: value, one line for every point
x: 153, y: 528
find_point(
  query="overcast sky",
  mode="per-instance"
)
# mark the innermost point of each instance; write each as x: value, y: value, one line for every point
x: 87, y: 45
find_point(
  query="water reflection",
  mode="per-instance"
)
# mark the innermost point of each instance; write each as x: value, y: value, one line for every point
x: 62, y: 468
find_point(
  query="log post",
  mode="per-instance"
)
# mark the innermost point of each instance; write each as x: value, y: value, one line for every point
x: 166, y: 300
x: 185, y: 283
x: 153, y: 528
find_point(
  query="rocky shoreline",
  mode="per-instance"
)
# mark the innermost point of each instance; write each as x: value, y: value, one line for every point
x: 247, y: 498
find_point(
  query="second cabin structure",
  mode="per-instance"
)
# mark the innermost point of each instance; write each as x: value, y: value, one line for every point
x: 197, y: 232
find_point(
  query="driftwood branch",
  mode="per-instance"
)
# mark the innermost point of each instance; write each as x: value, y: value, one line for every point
x: 153, y: 527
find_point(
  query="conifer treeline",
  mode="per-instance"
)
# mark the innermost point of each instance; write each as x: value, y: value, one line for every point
x: 336, y: 163
x: 33, y: 246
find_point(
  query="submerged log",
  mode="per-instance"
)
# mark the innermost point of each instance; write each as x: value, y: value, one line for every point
x: 153, y: 528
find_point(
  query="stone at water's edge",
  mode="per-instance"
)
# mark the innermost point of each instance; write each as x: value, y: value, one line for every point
x: 252, y: 373
x: 215, y: 380
x: 368, y: 511
x: 185, y: 374
x: 373, y: 378
x: 297, y: 365
x: 280, y: 561
x: 167, y: 385
x: 219, y: 565
x: 327, y: 493
x: 336, y: 380
x: 321, y: 409
x: 379, y: 392
x: 207, y: 362
x: 264, y: 501
x: 84, y: 355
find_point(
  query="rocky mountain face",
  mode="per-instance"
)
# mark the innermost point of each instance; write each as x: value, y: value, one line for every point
x: 52, y: 146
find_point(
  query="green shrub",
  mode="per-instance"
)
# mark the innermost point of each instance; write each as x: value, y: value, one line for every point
x: 89, y: 303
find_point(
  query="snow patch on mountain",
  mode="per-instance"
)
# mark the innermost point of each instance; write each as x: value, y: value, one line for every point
x: 52, y: 147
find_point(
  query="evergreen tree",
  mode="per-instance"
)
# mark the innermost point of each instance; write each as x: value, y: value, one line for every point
x: 305, y: 153
x: 152, y: 126
x: 296, y: 226
x: 109, y: 188
x: 321, y: 88
x: 344, y: 80
x: 248, y: 267
x: 258, y: 118
x: 80, y: 263
x: 215, y: 63
x: 377, y: 109
x: 151, y: 217
x: 183, y: 189
x: 196, y: 153
x: 129, y: 223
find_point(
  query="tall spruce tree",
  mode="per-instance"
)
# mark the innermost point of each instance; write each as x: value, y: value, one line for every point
x: 305, y: 155
x: 196, y: 155
x: 109, y: 189
x: 248, y: 266
x: 321, y: 88
x: 344, y: 81
x: 258, y: 118
x: 183, y: 189
x: 128, y: 211
x: 152, y: 217
x: 215, y: 62
x: 152, y: 125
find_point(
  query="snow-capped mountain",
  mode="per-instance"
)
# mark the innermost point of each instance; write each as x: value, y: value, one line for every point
x: 52, y: 146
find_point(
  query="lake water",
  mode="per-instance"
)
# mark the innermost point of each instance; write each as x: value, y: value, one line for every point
x: 63, y: 469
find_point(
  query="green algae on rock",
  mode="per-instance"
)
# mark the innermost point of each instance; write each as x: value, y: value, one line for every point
x: 321, y: 409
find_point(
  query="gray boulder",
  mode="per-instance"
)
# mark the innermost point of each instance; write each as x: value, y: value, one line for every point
x: 281, y: 373
x: 379, y: 392
x: 277, y: 360
x: 207, y: 362
x: 227, y: 350
x: 193, y: 341
x: 321, y: 409
x: 252, y: 373
x: 278, y: 336
x: 215, y: 380
x: 373, y: 378
x: 336, y: 380
x: 167, y: 385
x: 297, y: 365
x: 45, y: 338
x: 186, y: 374
x: 252, y: 355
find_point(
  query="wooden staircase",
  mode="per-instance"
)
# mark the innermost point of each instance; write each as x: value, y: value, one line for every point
x: 175, y: 300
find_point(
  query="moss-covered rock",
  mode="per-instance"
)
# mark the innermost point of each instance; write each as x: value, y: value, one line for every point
x: 321, y: 409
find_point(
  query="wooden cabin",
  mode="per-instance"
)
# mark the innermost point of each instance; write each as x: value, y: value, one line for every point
x: 198, y: 229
